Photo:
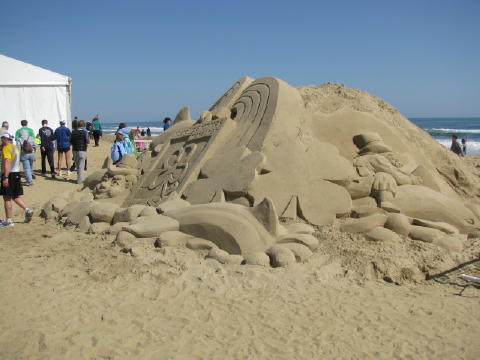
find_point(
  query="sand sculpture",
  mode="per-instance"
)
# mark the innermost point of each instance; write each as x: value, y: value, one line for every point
x: 265, y: 152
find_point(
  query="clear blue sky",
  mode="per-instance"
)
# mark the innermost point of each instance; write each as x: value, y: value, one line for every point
x: 143, y: 60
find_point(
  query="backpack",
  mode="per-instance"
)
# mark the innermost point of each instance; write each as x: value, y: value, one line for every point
x: 27, y: 147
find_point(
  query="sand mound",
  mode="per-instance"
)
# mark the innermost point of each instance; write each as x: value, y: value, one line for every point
x: 330, y: 97
x: 315, y: 158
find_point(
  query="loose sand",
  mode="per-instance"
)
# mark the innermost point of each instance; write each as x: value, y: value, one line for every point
x: 68, y: 295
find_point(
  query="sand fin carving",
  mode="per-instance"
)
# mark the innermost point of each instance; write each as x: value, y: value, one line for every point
x: 266, y: 214
x: 219, y: 196
x: 183, y: 115
x: 291, y: 209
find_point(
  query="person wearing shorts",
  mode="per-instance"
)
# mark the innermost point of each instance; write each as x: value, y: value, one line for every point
x: 62, y: 135
x: 11, y: 184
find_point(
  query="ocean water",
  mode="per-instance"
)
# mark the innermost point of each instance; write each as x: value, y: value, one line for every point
x: 443, y: 128
x: 155, y: 126
x: 439, y: 128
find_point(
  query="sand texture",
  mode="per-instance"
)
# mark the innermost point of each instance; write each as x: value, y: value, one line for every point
x: 71, y: 295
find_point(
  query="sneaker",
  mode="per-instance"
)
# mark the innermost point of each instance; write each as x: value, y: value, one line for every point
x: 6, y: 223
x: 69, y: 173
x: 54, y: 176
x: 34, y: 176
x: 28, y: 215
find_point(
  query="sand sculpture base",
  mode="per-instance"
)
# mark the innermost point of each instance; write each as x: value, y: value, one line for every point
x: 267, y: 155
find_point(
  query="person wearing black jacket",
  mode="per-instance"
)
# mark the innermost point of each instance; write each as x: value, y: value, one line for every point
x: 79, y: 140
x: 75, y: 126
x: 47, y: 147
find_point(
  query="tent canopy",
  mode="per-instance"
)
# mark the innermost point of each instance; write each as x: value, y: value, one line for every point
x: 15, y: 72
x: 32, y: 93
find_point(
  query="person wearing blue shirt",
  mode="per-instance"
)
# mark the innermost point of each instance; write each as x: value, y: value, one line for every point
x: 118, y: 148
x: 62, y: 135
x: 166, y: 123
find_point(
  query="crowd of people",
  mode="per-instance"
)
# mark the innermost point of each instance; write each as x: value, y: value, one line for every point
x: 143, y: 132
x: 127, y: 141
x: 20, y: 148
x: 68, y: 145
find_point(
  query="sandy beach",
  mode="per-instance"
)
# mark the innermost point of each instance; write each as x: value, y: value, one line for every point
x: 71, y: 295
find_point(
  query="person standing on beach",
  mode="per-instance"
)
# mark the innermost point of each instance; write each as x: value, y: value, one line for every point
x: 166, y: 123
x: 47, y: 147
x: 24, y: 128
x: 88, y: 127
x: 149, y: 132
x: 26, y: 144
x: 24, y: 124
x: 74, y: 127
x: 62, y: 136
x: 3, y: 130
x: 11, y: 185
x: 455, y: 147
x: 464, y: 147
x: 96, y: 129
x: 80, y: 141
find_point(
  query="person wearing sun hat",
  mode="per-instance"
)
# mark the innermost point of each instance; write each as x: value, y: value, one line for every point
x: 118, y: 147
x: 11, y: 184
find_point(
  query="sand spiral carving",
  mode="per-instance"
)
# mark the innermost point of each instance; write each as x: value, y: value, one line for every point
x: 254, y: 112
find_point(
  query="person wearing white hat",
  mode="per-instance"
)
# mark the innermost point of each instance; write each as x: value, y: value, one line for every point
x: 11, y: 184
x: 4, y: 127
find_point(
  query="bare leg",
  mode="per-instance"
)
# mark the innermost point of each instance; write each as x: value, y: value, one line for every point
x: 67, y: 160
x: 59, y: 160
x: 19, y: 201
x: 8, y: 207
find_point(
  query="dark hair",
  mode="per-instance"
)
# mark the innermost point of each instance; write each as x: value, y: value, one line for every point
x: 44, y: 121
x: 24, y: 122
x: 81, y: 123
x: 455, y: 136
x: 122, y: 125
x: 167, y: 119
x: 74, y: 124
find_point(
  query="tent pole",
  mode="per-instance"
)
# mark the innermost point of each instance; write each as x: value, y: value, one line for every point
x: 69, y: 105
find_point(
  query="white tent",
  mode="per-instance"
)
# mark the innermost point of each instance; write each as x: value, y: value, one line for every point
x: 32, y: 93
